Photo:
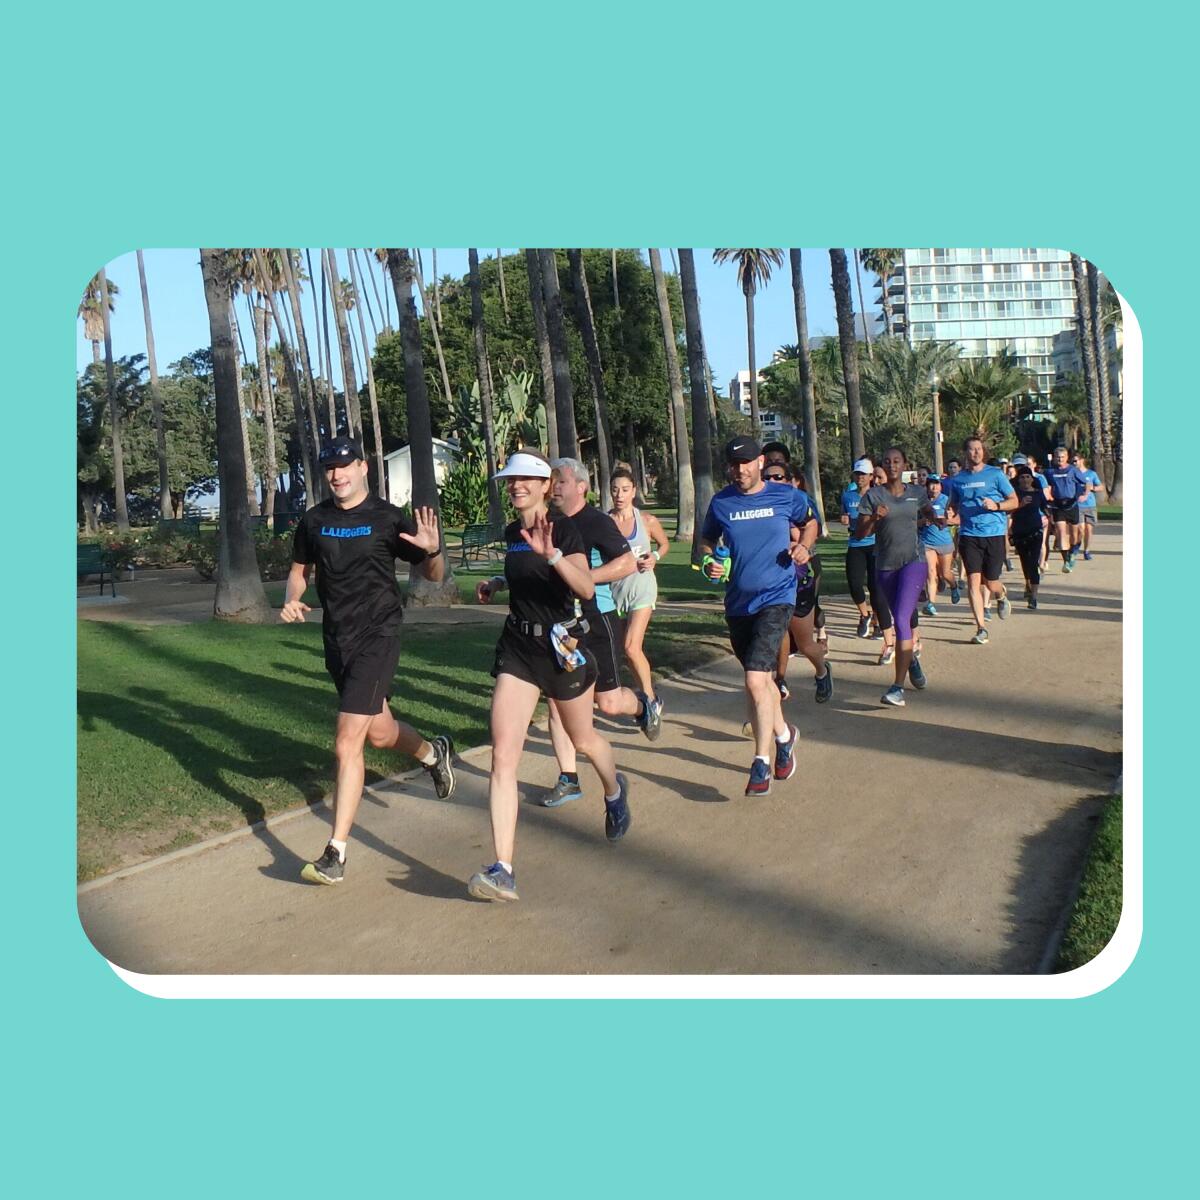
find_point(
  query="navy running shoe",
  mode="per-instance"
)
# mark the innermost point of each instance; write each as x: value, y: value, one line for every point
x: 759, y: 783
x: 785, y: 755
x: 825, y: 685
x: 617, y: 818
x: 916, y: 674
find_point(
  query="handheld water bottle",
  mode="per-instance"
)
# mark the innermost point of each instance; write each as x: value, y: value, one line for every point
x: 722, y: 558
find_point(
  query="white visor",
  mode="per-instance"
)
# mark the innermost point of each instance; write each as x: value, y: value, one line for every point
x: 526, y: 465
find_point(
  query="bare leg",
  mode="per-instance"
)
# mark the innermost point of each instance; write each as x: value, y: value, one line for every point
x: 564, y: 750
x: 975, y: 594
x: 387, y: 733
x: 576, y: 718
x: 803, y: 632
x: 636, y: 625
x: 349, y: 740
x: 513, y: 703
x: 766, y: 715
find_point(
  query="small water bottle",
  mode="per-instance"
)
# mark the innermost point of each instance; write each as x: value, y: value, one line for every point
x: 722, y: 559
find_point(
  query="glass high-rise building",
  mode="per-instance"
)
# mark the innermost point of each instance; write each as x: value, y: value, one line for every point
x: 986, y: 300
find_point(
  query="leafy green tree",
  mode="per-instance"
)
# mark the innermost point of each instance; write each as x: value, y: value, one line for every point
x: 981, y: 393
x: 1069, y: 403
x: 897, y: 395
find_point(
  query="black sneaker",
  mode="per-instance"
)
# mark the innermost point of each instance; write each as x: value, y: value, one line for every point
x: 785, y: 692
x: 825, y: 685
x: 617, y: 818
x: 864, y: 627
x: 651, y: 719
x: 440, y: 771
x: 327, y: 869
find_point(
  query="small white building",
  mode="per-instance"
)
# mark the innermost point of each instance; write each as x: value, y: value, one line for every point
x: 398, y: 468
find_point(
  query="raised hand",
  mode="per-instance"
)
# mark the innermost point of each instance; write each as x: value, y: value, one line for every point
x: 426, y: 537
x: 540, y: 537
x: 881, y: 512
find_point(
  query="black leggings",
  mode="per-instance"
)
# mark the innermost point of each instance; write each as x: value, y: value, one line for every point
x: 819, y: 617
x: 1029, y: 551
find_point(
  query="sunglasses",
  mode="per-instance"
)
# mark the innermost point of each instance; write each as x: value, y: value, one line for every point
x: 776, y: 478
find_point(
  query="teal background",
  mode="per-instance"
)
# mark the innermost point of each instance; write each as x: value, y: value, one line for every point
x: 625, y: 124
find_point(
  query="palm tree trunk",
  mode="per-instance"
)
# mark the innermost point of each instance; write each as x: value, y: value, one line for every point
x: 380, y: 481
x: 308, y: 461
x: 846, y: 341
x: 239, y: 595
x: 352, y: 254
x: 556, y: 330
x: 533, y: 267
x: 95, y: 354
x: 591, y: 350
x: 755, y: 422
x: 349, y: 377
x: 437, y: 287
x: 616, y: 289
x: 1087, y: 347
x: 684, y: 485
x: 861, y: 306
x: 1105, y: 455
x: 316, y: 483
x: 702, y: 473
x: 160, y: 434
x: 503, y: 289
x: 120, y: 503
x: 421, y: 591
x: 268, y: 408
x: 437, y: 337
x: 324, y: 349
x: 235, y: 339
x: 483, y: 372
x: 808, y: 401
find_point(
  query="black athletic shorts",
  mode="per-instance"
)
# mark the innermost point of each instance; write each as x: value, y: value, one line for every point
x: 1065, y: 512
x: 533, y: 659
x: 756, y: 639
x: 364, y: 677
x: 806, y: 600
x: 982, y: 555
x: 606, y: 641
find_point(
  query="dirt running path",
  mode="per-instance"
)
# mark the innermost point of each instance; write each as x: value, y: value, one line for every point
x: 938, y: 838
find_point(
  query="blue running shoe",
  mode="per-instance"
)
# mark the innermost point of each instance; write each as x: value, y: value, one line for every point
x: 785, y: 756
x: 916, y: 674
x: 987, y: 614
x: 563, y: 791
x: 493, y: 883
x: 759, y: 783
x: 1003, y: 607
x: 955, y: 593
x: 1087, y: 556
x: 617, y: 818
x: 980, y: 638
x: 893, y: 696
x: 825, y: 685
x: 930, y: 610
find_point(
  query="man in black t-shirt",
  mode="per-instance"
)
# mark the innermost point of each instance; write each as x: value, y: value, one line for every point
x: 353, y: 540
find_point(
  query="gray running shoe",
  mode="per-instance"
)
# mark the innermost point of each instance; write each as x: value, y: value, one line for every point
x: 493, y: 883
x: 886, y: 656
x: 441, y: 772
x: 562, y: 792
x: 916, y: 674
x: 980, y: 638
x: 327, y: 869
x: 894, y: 696
x: 1003, y: 607
x: 651, y: 719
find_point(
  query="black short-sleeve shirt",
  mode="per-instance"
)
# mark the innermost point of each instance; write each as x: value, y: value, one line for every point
x: 355, y: 551
x: 536, y: 591
x: 602, y: 542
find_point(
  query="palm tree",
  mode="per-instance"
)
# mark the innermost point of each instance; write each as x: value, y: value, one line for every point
x: 1087, y: 349
x: 120, y: 502
x: 433, y: 328
x: 316, y: 484
x: 849, y: 348
x: 686, y: 493
x: 702, y: 472
x: 753, y: 268
x: 808, y: 401
x: 160, y: 435
x: 495, y: 509
x: 503, y: 289
x: 533, y: 268
x: 897, y: 384
x: 1104, y: 454
x: 591, y: 350
x: 556, y: 331
x: 349, y: 376
x: 239, y: 595
x: 421, y: 591
x: 380, y: 481
x: 980, y: 391
x: 324, y: 353
x: 89, y: 311
x: 1070, y: 404
x: 882, y: 262
x: 861, y: 307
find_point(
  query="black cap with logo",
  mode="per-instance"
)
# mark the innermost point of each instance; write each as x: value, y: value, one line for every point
x: 340, y: 452
x: 742, y: 449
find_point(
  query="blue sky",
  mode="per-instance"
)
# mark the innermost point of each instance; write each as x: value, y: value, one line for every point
x: 181, y: 320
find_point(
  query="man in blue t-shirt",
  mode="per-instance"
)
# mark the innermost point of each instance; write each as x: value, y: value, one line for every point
x: 755, y: 520
x: 981, y: 496
x: 1087, y: 507
x: 1068, y: 486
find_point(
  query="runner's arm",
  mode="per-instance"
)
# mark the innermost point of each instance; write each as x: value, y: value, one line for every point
x: 297, y: 583
x: 654, y: 528
x: 616, y: 568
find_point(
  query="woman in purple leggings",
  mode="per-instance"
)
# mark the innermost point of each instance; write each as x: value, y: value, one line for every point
x: 891, y: 511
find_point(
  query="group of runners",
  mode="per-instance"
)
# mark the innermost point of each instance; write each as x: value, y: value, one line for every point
x: 581, y: 588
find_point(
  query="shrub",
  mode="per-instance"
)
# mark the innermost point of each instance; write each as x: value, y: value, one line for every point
x: 464, y: 499
x: 274, y: 554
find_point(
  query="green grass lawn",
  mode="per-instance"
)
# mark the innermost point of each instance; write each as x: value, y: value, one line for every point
x: 186, y: 731
x: 1098, y: 905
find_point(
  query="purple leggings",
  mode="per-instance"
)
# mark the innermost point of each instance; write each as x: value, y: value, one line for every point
x: 902, y: 587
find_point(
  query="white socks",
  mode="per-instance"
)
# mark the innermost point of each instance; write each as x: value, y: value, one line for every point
x: 431, y: 757
x: 340, y: 847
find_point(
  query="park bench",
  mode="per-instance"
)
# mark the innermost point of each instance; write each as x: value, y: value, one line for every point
x: 480, y: 542
x: 90, y: 560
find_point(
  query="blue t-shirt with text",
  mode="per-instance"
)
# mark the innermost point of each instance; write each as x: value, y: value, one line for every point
x: 1067, y: 484
x: 932, y: 535
x: 757, y: 530
x: 851, y: 498
x: 968, y: 490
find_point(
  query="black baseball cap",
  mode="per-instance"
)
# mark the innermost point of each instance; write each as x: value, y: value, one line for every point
x: 777, y: 448
x: 742, y: 449
x: 340, y: 452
